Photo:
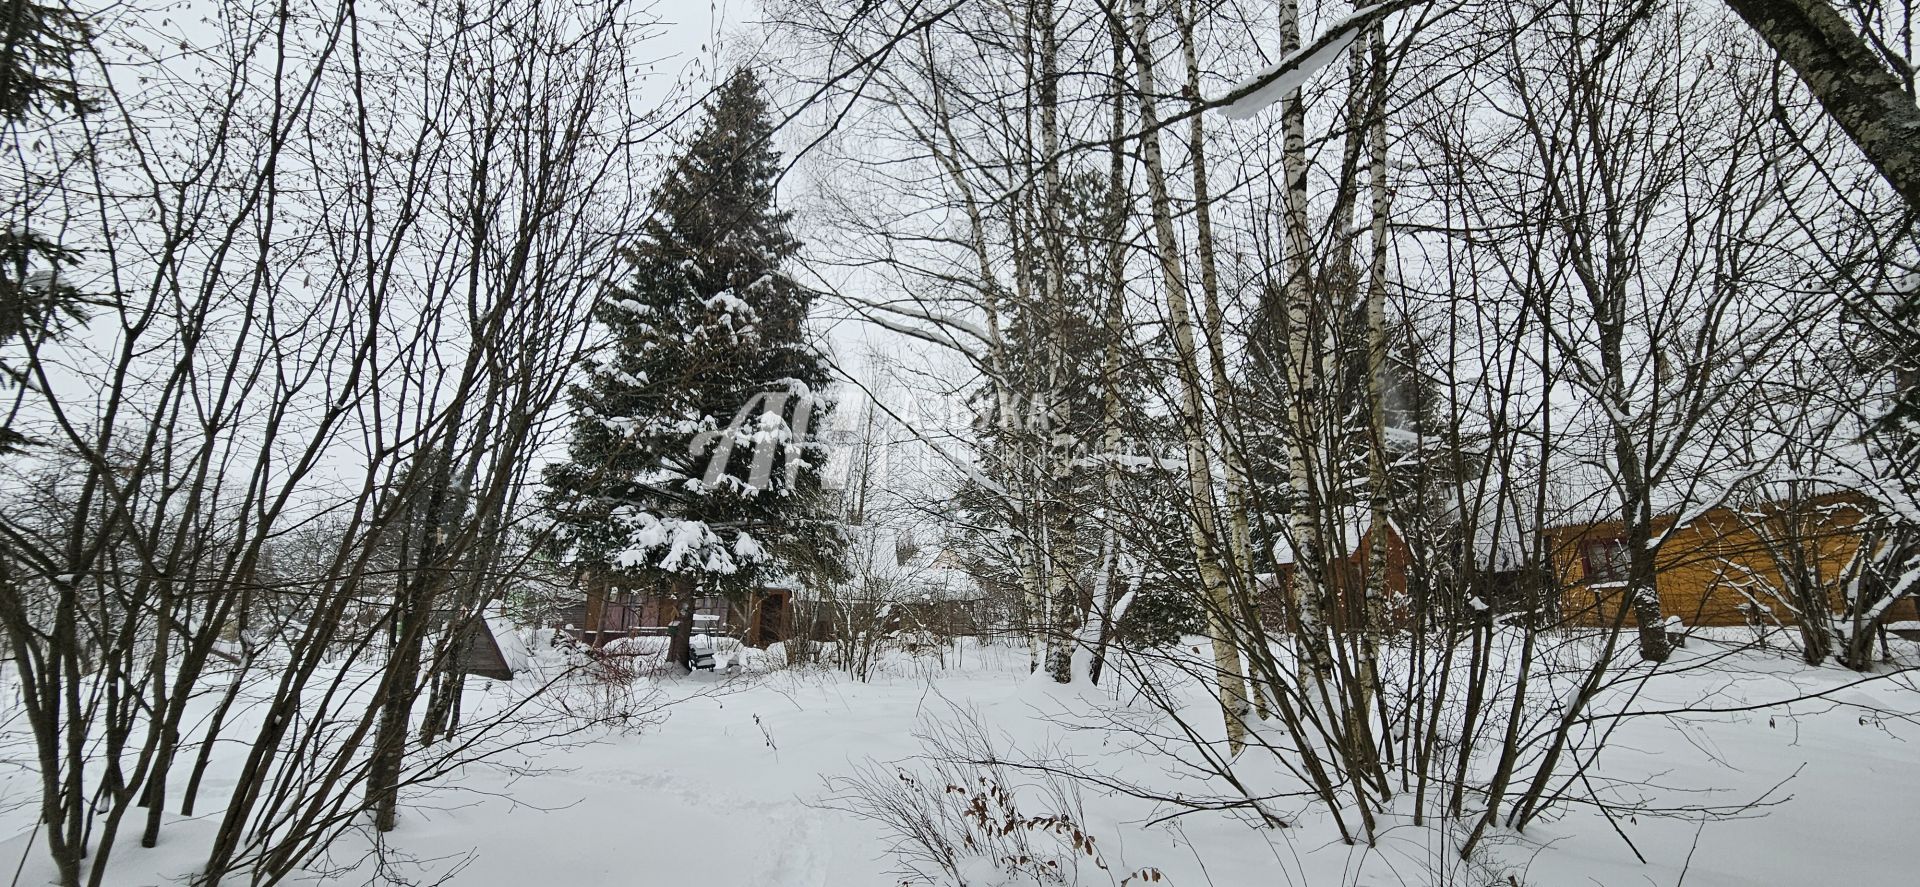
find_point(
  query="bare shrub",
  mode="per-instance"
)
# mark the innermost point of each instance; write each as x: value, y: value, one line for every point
x: 957, y: 816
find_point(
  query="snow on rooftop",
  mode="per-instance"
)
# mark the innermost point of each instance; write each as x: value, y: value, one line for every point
x: 1349, y: 533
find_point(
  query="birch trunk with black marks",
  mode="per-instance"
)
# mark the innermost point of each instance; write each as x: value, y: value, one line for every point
x: 1203, y: 530
x: 1303, y: 394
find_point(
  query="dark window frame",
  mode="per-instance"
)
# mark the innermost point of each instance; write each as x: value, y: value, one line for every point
x: 1606, y: 561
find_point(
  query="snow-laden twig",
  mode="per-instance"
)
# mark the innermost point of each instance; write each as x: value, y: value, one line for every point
x: 1291, y: 72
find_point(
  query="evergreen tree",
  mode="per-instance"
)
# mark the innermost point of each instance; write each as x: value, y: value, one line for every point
x: 38, y: 45
x: 691, y: 467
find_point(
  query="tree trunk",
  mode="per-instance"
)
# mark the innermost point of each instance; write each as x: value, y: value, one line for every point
x: 1374, y: 615
x: 1204, y: 534
x: 449, y: 679
x: 1849, y: 80
x: 1303, y: 371
x: 1237, y: 538
x: 680, y: 643
x: 1642, y: 570
x: 1115, y: 322
x: 596, y: 612
x: 390, y: 739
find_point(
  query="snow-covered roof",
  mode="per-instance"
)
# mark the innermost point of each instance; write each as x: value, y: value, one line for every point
x: 1350, y: 528
x: 904, y: 563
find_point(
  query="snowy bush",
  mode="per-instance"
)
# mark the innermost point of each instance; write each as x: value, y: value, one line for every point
x: 959, y: 819
x: 629, y: 658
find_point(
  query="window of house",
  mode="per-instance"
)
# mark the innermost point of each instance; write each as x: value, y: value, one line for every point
x: 1607, y: 560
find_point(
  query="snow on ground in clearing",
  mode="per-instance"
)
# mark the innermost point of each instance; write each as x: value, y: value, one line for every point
x: 727, y: 791
x: 723, y: 792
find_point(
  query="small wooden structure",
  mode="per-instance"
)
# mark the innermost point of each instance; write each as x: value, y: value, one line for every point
x: 613, y: 607
x: 479, y: 650
x: 1347, y: 568
x: 481, y: 654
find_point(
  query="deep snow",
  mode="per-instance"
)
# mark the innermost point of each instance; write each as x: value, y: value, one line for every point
x: 730, y: 789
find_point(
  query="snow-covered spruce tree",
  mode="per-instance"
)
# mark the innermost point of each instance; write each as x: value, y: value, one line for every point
x: 37, y: 82
x: 691, y: 470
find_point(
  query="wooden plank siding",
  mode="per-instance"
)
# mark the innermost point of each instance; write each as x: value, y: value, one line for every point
x: 613, y: 608
x: 1346, y: 577
x: 1725, y: 567
x: 481, y: 654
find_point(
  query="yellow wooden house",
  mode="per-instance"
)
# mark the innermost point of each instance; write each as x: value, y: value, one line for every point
x: 1726, y: 566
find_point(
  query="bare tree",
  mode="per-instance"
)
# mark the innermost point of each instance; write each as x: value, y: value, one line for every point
x: 309, y: 324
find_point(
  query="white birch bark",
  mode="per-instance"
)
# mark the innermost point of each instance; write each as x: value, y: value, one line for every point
x: 1203, y: 531
x: 1303, y: 370
x: 1374, y: 45
x: 1237, y: 542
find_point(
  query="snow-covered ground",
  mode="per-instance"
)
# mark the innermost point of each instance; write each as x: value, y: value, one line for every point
x: 736, y: 786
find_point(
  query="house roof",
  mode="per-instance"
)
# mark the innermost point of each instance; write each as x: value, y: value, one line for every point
x: 928, y: 570
x: 1350, y: 529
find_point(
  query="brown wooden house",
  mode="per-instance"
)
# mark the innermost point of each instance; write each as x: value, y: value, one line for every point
x: 1348, y: 556
x: 1725, y: 566
x: 613, y: 607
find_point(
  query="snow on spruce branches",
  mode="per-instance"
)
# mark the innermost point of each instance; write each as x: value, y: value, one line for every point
x: 692, y: 456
